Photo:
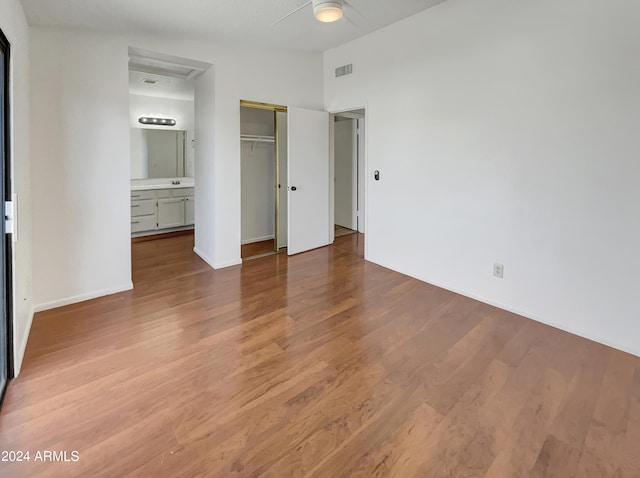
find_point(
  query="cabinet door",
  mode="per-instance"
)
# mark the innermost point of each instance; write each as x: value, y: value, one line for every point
x: 170, y: 213
x: 189, y: 211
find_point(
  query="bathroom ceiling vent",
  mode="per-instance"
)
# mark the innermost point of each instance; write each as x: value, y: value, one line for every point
x: 149, y: 81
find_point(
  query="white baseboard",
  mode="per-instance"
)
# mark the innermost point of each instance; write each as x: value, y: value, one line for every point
x: 525, y: 314
x: 216, y: 265
x: 82, y: 297
x: 204, y: 257
x: 258, y: 239
x: 20, y: 349
x: 222, y: 265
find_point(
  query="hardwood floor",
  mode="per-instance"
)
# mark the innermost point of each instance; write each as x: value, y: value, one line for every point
x: 318, y: 365
x: 257, y: 248
x: 342, y: 231
x: 164, y: 235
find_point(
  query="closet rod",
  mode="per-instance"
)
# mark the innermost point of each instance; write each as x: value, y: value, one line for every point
x: 255, y: 139
x: 261, y: 138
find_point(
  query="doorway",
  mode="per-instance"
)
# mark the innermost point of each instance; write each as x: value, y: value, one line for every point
x: 264, y: 203
x: 293, y: 197
x: 6, y: 340
x: 162, y: 122
x: 348, y: 154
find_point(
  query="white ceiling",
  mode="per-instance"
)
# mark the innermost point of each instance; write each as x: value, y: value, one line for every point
x: 238, y: 21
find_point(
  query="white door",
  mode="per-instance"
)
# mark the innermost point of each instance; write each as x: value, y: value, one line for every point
x: 308, y: 185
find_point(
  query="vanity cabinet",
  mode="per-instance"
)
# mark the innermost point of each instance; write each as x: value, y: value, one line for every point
x: 159, y: 210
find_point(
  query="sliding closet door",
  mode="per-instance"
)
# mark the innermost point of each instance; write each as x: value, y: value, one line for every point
x: 283, y: 180
x: 308, y: 188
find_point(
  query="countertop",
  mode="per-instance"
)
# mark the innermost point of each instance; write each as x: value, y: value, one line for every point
x: 148, y: 187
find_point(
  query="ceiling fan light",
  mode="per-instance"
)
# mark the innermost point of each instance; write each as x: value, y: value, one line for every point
x: 327, y: 12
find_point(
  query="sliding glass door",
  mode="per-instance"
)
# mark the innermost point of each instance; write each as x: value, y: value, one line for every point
x: 5, y: 316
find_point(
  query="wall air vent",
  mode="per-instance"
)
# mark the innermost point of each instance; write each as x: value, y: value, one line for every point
x: 344, y: 70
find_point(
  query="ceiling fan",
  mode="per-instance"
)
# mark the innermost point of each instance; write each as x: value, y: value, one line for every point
x: 325, y: 11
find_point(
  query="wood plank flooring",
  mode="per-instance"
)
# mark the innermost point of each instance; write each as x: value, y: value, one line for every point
x: 257, y: 248
x: 342, y: 231
x: 317, y: 365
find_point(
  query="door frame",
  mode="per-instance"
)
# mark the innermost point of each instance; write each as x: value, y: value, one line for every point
x: 7, y: 270
x: 276, y: 109
x: 332, y: 171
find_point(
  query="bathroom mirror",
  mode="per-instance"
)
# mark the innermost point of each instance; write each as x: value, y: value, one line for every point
x: 161, y: 153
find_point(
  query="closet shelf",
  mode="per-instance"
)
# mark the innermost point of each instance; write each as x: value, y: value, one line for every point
x: 255, y: 139
x: 259, y: 138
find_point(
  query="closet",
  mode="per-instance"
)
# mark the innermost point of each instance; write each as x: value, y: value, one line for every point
x: 263, y: 175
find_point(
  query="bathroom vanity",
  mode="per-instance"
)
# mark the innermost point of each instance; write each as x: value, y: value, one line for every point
x: 161, y: 208
x: 162, y: 183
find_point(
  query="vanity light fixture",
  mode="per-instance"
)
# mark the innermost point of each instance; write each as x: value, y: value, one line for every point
x: 157, y: 121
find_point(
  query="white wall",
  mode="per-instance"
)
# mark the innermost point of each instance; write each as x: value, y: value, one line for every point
x: 345, y: 173
x: 205, y: 194
x: 507, y: 131
x: 258, y: 175
x: 80, y: 141
x: 14, y: 26
x: 80, y: 155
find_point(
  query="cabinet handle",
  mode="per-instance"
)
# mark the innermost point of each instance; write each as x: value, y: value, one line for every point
x: 136, y: 196
x: 135, y: 205
x: 135, y: 222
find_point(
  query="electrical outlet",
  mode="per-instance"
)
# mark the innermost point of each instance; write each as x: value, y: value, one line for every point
x: 498, y: 270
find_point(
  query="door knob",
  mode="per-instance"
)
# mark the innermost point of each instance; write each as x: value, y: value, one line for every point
x: 293, y: 188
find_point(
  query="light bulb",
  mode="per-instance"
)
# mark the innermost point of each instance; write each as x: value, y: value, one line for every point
x: 329, y: 14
